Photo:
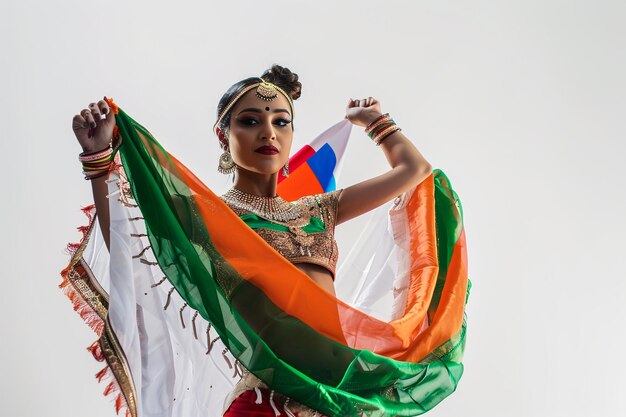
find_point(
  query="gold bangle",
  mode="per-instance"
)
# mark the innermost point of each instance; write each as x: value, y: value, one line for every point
x: 384, y: 136
x: 375, y: 121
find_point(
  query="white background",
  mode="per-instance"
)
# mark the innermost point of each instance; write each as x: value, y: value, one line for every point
x: 521, y: 103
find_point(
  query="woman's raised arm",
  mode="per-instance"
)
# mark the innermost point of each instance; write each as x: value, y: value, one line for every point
x: 93, y: 128
x: 408, y: 166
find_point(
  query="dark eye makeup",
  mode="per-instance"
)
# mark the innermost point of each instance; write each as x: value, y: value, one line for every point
x: 251, y: 121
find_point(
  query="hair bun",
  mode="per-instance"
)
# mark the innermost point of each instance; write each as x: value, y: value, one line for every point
x: 285, y: 79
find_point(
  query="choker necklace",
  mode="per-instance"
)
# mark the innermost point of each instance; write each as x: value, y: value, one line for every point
x: 270, y: 208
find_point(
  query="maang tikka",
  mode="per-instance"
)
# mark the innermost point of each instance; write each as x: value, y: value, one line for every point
x: 264, y: 90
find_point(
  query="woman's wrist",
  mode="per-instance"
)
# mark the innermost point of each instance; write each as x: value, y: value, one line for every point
x: 94, y: 149
x: 371, y: 119
x: 381, y: 128
x: 97, y: 163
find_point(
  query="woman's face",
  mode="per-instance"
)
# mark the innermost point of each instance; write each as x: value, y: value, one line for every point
x: 260, y: 133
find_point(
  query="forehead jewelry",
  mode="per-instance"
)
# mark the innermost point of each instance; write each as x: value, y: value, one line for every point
x: 264, y: 90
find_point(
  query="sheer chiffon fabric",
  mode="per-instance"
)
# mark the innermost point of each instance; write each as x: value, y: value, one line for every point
x: 403, y: 347
x: 165, y: 344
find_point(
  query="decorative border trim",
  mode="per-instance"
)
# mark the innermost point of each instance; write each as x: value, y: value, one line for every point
x: 91, y: 303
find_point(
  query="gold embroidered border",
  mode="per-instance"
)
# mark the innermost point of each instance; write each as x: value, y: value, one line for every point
x: 114, y: 357
x: 83, y: 283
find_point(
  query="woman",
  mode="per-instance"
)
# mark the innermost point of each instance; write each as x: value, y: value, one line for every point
x: 255, y: 129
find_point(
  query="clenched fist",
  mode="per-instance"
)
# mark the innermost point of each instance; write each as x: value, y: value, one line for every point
x: 362, y: 112
x: 93, y: 126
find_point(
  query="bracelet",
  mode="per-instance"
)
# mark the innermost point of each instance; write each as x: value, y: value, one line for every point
x: 381, y: 128
x: 96, y: 167
x: 378, y: 119
x: 97, y: 164
x: 382, y: 125
x: 97, y: 155
x: 386, y: 134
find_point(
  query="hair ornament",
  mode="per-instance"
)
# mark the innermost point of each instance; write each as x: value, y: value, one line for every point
x: 265, y: 90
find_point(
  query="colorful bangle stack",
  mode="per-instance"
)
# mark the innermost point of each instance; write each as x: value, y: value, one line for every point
x: 97, y: 164
x: 379, y: 129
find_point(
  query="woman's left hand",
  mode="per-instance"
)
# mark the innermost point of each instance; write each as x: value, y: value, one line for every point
x: 363, y: 111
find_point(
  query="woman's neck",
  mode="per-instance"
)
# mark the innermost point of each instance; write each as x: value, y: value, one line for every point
x: 254, y: 183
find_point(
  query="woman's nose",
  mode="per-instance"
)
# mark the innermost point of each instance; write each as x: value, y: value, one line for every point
x: 268, y: 132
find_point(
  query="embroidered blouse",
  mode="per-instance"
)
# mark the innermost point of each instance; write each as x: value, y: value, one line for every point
x: 310, y: 239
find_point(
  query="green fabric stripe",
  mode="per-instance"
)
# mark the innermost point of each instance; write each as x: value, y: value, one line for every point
x: 316, y: 225
x: 288, y: 355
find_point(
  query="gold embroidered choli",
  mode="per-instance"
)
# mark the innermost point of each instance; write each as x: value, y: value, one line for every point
x: 308, y: 239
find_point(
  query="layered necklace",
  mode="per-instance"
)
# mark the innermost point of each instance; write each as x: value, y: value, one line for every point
x: 274, y: 209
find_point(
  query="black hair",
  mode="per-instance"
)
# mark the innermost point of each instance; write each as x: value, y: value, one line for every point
x: 281, y: 76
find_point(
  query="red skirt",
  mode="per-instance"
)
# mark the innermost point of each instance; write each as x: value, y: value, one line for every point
x: 245, y: 405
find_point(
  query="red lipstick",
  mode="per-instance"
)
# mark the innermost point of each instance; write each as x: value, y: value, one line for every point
x: 267, y: 150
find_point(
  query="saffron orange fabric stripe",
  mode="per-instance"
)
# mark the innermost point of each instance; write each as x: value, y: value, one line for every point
x: 296, y: 294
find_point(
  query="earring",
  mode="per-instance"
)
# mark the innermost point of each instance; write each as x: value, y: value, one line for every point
x: 226, y: 165
x: 286, y: 169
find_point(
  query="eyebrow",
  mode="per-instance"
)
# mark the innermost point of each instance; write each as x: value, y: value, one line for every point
x: 255, y: 110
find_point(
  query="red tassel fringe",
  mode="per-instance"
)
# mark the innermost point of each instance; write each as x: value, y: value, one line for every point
x: 79, y: 304
x: 112, y: 387
x: 103, y: 373
x: 96, y: 351
x: 92, y: 318
x: 119, y: 403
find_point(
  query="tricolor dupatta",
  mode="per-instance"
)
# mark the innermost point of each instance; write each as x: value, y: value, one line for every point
x: 189, y: 296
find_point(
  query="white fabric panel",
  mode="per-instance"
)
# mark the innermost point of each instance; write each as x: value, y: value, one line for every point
x: 171, y: 371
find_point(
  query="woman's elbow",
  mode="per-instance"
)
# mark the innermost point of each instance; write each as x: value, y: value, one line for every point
x: 420, y: 173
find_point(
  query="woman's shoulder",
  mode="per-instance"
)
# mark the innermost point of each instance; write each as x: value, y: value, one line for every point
x: 323, y: 205
x: 329, y: 198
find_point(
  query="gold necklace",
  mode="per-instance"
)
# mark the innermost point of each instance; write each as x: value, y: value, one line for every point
x: 274, y: 209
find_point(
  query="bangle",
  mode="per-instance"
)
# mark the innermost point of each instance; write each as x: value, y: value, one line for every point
x: 89, y: 156
x: 382, y: 125
x: 373, y: 122
x: 379, y: 129
x: 98, y: 164
x: 386, y: 134
x: 96, y: 167
x: 382, y: 131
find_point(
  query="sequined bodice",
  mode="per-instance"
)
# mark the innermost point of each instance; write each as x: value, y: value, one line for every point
x: 308, y: 238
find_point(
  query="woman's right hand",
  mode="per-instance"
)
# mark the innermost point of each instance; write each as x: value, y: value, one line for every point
x: 93, y: 126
